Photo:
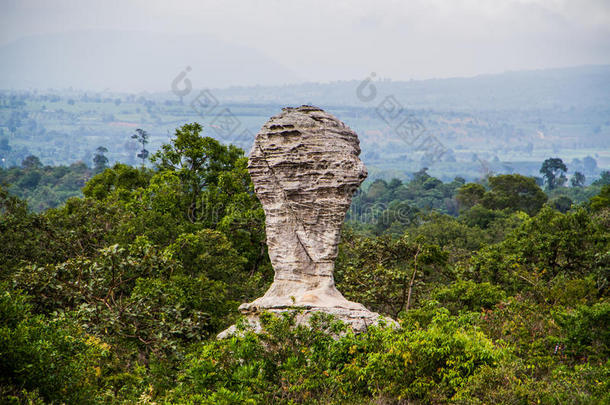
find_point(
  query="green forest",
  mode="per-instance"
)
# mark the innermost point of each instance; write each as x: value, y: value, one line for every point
x: 115, y: 281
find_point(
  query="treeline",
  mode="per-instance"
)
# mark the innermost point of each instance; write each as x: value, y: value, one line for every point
x: 390, y: 207
x: 381, y: 204
x: 43, y: 187
x: 117, y: 296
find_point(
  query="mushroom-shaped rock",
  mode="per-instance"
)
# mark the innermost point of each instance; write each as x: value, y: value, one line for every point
x: 305, y: 168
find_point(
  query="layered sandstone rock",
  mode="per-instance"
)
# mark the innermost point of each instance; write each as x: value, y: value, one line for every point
x: 305, y: 168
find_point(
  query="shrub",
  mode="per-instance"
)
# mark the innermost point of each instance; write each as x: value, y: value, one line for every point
x: 46, y: 358
x: 306, y: 364
x: 587, y: 332
x: 467, y: 295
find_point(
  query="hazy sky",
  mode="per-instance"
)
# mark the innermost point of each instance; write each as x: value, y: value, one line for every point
x: 322, y: 40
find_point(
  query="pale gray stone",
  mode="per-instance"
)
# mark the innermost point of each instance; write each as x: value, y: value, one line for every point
x: 305, y: 168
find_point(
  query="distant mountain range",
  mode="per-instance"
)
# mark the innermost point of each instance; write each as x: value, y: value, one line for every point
x: 581, y: 87
x: 129, y: 61
x: 132, y: 61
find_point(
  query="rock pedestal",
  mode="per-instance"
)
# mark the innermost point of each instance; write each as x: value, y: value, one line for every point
x: 305, y: 168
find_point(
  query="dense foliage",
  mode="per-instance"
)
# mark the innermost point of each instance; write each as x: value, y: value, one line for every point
x: 45, y: 187
x: 501, y: 293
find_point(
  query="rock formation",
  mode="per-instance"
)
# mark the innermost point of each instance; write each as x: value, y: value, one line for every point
x: 305, y: 168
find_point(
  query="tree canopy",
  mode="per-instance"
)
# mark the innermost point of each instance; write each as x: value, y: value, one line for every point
x: 500, y: 289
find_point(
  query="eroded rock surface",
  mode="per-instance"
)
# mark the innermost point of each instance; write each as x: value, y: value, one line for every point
x: 305, y: 168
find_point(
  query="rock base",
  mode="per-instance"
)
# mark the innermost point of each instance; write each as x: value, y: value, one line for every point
x: 358, y: 320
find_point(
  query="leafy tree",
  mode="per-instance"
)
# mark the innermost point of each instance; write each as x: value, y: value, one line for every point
x: 544, y: 249
x: 543, y: 369
x: 554, y: 172
x: 141, y: 137
x: 578, y: 180
x: 467, y: 295
x: 587, y: 331
x: 396, y: 218
x: 197, y: 183
x: 211, y: 252
x: 140, y: 299
x: 470, y: 195
x: 515, y: 193
x: 384, y: 274
x: 497, y: 224
x: 121, y: 180
x: 45, y: 359
x: 304, y: 364
x: 30, y: 180
x: 46, y: 187
x: 197, y: 161
x: 157, y: 211
x: 378, y: 190
x: 562, y: 203
x: 100, y: 161
x: 31, y: 162
x: 18, y: 232
x: 389, y: 207
x: 602, y: 200
x: 455, y: 237
x: 80, y: 227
